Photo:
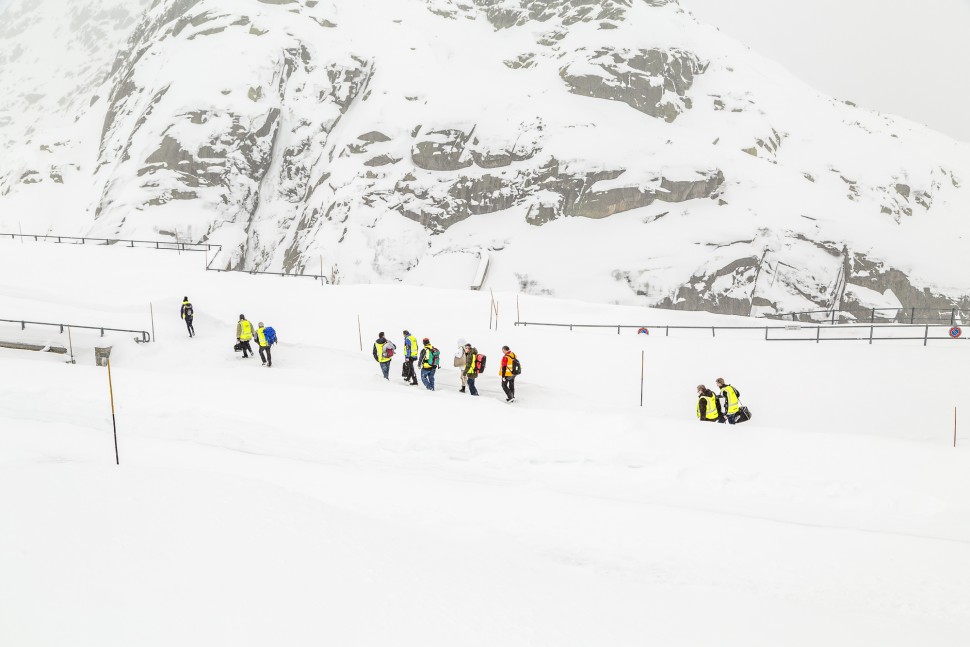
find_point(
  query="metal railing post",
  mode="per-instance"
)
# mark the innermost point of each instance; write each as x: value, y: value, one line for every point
x: 871, y: 329
x: 872, y: 316
x: 713, y: 333
x: 818, y: 334
x: 953, y: 316
x: 912, y: 315
x: 926, y: 334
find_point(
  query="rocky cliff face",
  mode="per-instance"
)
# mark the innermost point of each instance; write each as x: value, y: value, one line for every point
x: 604, y: 149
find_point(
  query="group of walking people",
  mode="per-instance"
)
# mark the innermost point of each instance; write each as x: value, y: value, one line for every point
x: 467, y: 359
x: 265, y: 336
x: 725, y: 406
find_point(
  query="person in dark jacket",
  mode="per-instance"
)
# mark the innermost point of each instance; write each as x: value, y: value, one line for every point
x: 470, y: 370
x: 505, y: 372
x: 383, y: 349
x: 188, y: 315
x: 708, y: 407
x: 410, y: 356
x: 730, y: 400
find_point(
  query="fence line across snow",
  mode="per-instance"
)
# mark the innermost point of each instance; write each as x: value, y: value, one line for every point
x: 769, y: 331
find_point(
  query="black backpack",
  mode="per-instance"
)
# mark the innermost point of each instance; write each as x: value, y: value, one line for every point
x: 516, y: 366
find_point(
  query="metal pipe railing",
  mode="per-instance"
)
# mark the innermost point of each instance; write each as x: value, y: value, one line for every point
x: 145, y: 336
x: 817, y: 337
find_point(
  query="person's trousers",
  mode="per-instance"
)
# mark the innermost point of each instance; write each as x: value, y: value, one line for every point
x: 410, y: 374
x: 189, y: 326
x: 732, y: 418
x: 386, y: 369
x: 471, y: 386
x: 508, y: 385
x: 427, y: 378
x: 266, y: 355
x: 464, y: 379
x: 247, y: 349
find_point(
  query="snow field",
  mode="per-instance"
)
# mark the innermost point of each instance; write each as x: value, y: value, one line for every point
x: 314, y: 501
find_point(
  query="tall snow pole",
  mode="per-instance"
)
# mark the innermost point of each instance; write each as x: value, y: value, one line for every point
x: 642, y: 362
x: 70, y: 344
x: 151, y: 311
x: 360, y: 335
x: 321, y: 269
x: 954, y: 426
x: 114, y: 424
x: 518, y: 313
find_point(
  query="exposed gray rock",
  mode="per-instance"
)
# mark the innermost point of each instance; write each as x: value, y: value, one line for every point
x: 652, y: 81
x: 441, y: 150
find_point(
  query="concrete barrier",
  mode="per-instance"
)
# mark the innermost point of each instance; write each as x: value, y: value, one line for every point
x: 60, y: 350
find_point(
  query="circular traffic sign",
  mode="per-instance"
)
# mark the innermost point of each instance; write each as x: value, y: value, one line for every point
x: 643, y: 331
x: 955, y: 332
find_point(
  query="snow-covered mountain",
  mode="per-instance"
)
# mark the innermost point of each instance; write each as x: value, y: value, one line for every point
x: 611, y: 150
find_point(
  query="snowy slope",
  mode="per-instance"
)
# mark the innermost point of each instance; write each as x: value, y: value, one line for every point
x: 609, y: 150
x: 316, y: 503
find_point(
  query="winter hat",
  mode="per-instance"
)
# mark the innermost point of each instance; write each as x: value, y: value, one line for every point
x: 260, y: 324
x: 185, y: 298
x: 425, y: 341
x: 242, y: 316
x: 461, y: 343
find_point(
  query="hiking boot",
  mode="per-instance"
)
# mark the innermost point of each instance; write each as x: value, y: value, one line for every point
x: 461, y: 390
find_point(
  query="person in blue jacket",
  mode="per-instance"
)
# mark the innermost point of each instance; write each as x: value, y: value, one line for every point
x: 410, y: 356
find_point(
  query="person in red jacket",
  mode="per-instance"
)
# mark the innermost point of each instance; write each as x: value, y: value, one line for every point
x: 507, y: 373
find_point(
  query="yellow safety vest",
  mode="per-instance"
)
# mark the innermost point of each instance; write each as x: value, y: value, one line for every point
x: 413, y: 346
x: 261, y: 337
x: 380, y: 353
x: 711, y: 413
x: 733, y: 405
x: 427, y: 357
x: 247, y: 330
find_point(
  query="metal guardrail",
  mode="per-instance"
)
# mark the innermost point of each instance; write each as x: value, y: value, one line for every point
x: 159, y: 245
x: 143, y: 244
x: 145, y: 336
x: 951, y: 316
x: 818, y: 337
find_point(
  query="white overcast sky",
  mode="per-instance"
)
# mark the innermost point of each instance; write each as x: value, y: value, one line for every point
x: 905, y: 57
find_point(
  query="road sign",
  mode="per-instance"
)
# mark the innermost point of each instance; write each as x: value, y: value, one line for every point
x: 643, y: 331
x: 955, y: 332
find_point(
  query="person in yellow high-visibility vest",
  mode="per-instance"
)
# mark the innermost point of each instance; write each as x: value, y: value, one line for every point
x: 708, y: 408
x: 410, y: 357
x: 244, y: 334
x: 383, y: 351
x: 730, y: 400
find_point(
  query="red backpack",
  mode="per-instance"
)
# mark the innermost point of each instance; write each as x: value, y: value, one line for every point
x: 479, y: 363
